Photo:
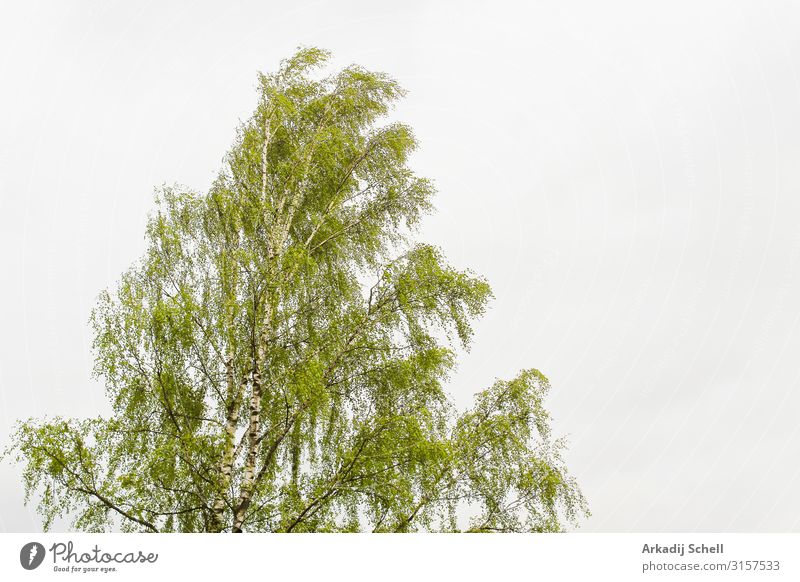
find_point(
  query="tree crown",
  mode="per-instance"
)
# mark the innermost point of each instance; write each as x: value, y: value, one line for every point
x: 276, y: 360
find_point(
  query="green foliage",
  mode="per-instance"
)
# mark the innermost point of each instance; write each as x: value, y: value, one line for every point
x: 276, y: 360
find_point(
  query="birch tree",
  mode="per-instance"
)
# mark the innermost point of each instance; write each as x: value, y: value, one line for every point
x: 277, y: 359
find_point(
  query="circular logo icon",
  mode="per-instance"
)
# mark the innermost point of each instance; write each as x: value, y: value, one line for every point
x: 31, y: 555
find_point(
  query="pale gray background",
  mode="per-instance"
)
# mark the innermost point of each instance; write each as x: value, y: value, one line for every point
x: 626, y: 175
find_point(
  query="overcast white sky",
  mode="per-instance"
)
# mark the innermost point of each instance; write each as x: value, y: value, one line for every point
x: 626, y: 174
